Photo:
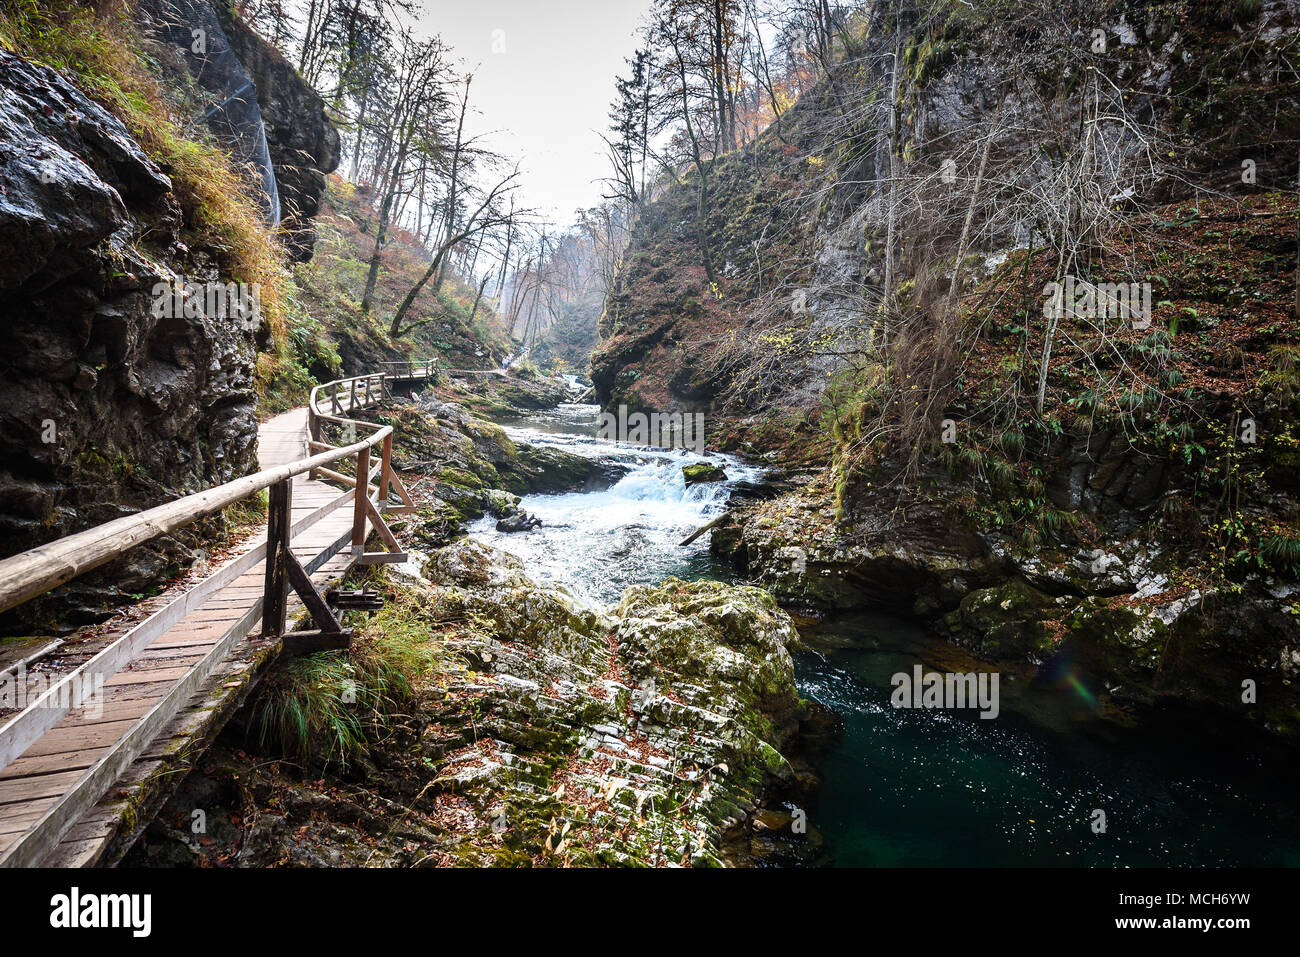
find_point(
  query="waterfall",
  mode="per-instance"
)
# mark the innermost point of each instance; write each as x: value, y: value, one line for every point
x: 598, y: 542
x: 232, y: 114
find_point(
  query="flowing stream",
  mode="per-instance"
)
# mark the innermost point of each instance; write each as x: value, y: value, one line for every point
x: 597, y: 543
x: 930, y: 787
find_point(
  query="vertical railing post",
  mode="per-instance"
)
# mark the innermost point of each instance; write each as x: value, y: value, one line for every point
x: 352, y: 394
x: 276, y: 593
x: 313, y: 432
x: 386, y: 463
x: 359, y: 503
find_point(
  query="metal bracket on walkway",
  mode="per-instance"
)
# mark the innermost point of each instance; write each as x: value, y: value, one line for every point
x: 359, y: 599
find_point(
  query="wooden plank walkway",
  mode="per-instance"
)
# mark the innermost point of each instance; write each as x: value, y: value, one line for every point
x: 209, y: 658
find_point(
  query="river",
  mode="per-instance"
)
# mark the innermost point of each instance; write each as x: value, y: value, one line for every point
x: 931, y: 787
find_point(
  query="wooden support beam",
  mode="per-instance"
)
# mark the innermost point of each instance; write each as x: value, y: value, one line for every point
x: 382, y: 558
x: 276, y: 593
x: 314, y: 443
x: 359, y: 511
x: 311, y: 598
x: 364, y: 599
x: 381, y: 527
x: 308, y: 642
x: 332, y: 476
x: 386, y: 467
x: 398, y: 484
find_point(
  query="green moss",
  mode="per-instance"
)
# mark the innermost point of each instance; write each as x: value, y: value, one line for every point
x: 458, y: 477
x: 703, y: 472
x: 1007, y: 621
x: 1115, y: 639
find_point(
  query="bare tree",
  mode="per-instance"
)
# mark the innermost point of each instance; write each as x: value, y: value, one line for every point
x: 409, y: 136
x: 489, y: 213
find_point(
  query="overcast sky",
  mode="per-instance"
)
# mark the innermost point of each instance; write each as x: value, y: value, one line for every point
x: 543, y: 80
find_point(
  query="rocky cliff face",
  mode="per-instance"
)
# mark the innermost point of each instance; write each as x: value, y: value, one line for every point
x: 304, y: 145
x: 107, y: 406
x: 253, y: 100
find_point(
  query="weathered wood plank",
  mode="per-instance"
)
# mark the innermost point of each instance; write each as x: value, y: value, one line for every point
x: 33, y: 765
x: 19, y: 817
x: 30, y: 789
x: 75, y: 736
x: 144, y: 676
x: 154, y: 671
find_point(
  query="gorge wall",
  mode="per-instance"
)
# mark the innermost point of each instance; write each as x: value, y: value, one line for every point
x: 797, y: 220
x: 110, y: 406
x: 1120, y: 507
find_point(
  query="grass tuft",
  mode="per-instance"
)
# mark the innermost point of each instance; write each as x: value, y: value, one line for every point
x: 331, y: 708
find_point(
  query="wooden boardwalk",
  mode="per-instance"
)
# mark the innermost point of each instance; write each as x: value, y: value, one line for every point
x: 94, y: 779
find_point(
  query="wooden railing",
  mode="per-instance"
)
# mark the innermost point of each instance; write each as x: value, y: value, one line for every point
x: 39, y: 570
x: 325, y: 407
x: 409, y: 368
x: 347, y: 395
x: 31, y: 573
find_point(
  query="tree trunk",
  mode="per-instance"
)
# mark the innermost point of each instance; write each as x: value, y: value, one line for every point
x: 372, y: 275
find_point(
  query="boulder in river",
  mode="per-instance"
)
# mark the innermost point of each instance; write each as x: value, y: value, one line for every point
x: 518, y: 521
x: 699, y: 472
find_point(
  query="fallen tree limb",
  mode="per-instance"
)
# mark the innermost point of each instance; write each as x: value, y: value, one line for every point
x: 724, y: 517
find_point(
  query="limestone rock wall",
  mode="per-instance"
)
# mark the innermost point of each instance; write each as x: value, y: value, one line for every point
x: 107, y: 408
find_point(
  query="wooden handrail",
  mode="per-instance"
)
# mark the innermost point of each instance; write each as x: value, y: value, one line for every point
x: 411, y: 369
x: 31, y: 573
x: 36, y: 571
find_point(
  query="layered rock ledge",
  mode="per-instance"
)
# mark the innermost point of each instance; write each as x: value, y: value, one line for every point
x: 652, y: 733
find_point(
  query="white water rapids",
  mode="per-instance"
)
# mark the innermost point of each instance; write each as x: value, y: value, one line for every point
x: 597, y: 543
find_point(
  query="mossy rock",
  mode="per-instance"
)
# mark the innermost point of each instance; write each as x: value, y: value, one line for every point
x: 1005, y: 620
x: 1115, y: 640
x: 459, y: 478
x: 545, y: 469
x: 699, y: 472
